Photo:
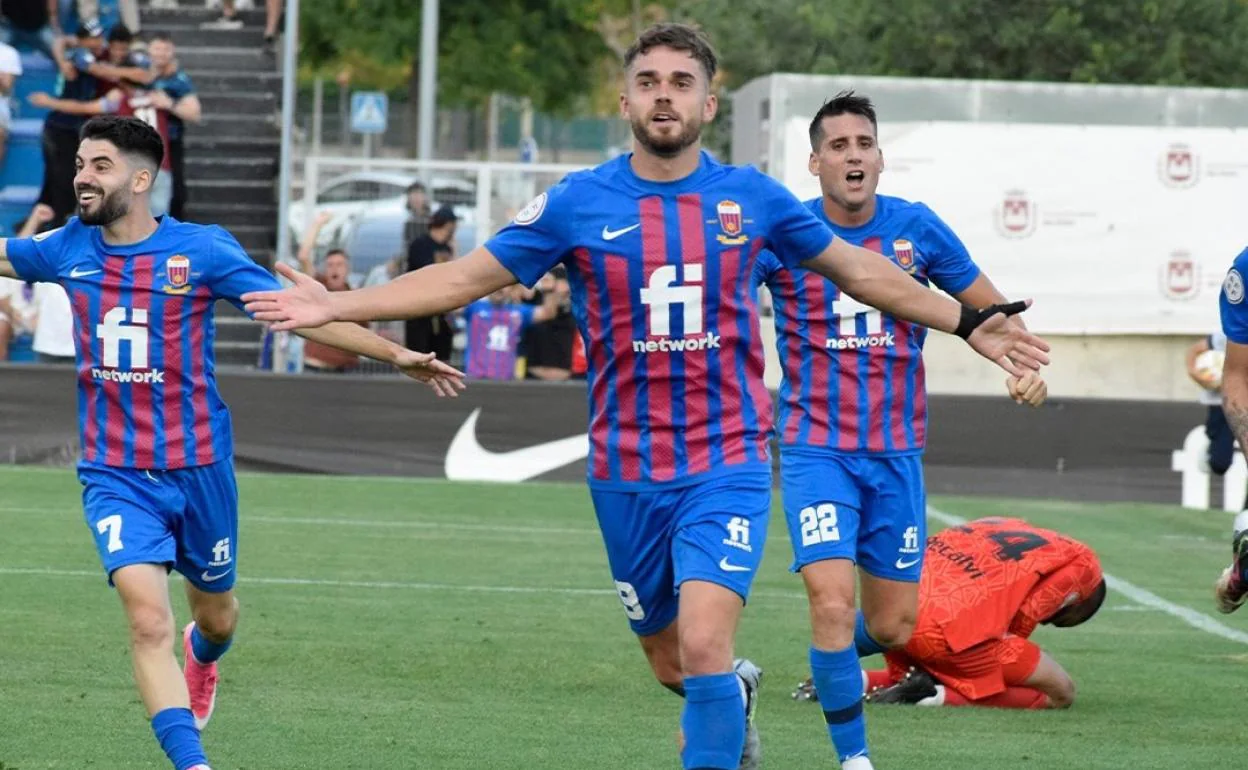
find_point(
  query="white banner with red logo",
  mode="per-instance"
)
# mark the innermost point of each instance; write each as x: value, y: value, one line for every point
x: 1112, y: 229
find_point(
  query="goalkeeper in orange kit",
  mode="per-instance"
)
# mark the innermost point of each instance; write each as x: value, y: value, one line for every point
x: 985, y: 587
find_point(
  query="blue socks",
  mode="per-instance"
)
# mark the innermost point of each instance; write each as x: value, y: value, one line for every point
x: 862, y: 638
x: 206, y: 651
x: 838, y: 680
x: 175, y: 729
x: 713, y: 722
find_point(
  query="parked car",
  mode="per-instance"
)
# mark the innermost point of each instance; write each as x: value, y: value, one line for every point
x: 374, y: 236
x: 350, y: 194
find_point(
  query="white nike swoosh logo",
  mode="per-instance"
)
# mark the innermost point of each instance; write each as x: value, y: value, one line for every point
x: 611, y: 235
x: 207, y: 578
x: 467, y: 460
x: 726, y: 567
x: 905, y: 564
x: 76, y: 274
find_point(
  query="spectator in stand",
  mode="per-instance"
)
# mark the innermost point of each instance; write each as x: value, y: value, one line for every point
x: 548, y: 344
x: 272, y: 17
x: 227, y: 20
x: 30, y: 24
x: 38, y: 314
x: 18, y: 315
x: 495, y: 325
x: 10, y: 69
x: 54, y: 328
x: 434, y: 245
x: 229, y: 17
x: 60, y: 129
x: 89, y: 10
x: 417, y: 214
x: 170, y: 78
x: 134, y: 100
x: 335, y: 276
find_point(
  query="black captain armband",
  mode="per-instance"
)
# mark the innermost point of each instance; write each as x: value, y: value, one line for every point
x: 972, y: 319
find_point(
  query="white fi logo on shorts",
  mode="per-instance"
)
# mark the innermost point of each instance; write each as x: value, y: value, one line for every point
x: 910, y: 540
x: 220, y: 553
x: 739, y: 534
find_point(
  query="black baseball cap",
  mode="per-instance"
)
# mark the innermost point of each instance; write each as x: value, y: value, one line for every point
x: 442, y: 216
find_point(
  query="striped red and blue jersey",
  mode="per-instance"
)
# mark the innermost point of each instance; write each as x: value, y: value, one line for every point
x: 853, y: 376
x: 143, y: 335
x: 494, y: 338
x: 663, y: 297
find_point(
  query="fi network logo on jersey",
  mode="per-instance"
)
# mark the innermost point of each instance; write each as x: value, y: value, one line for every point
x: 661, y: 295
x: 122, y: 325
x: 847, y: 311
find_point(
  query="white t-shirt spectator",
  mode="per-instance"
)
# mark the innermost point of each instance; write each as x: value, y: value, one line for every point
x: 10, y: 64
x: 22, y: 300
x: 10, y: 61
x: 54, y: 334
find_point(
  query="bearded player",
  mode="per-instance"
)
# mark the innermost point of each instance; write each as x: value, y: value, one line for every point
x: 157, y: 454
x: 659, y: 245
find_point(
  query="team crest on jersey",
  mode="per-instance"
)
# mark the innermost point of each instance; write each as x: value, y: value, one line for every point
x: 903, y: 250
x: 178, y: 273
x: 1233, y: 287
x: 732, y: 222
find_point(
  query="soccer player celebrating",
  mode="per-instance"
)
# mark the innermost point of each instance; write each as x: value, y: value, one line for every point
x: 986, y: 587
x: 1232, y: 586
x: 853, y: 416
x: 659, y: 246
x: 157, y: 467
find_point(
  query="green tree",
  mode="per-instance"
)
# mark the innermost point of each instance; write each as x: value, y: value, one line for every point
x: 1172, y: 42
x: 546, y: 50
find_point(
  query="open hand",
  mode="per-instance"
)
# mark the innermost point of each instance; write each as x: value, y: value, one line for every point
x: 306, y: 305
x: 445, y: 380
x: 1009, y: 345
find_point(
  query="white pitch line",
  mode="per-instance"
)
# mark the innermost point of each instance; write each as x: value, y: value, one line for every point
x: 386, y: 585
x: 382, y: 523
x: 512, y: 528
x: 1195, y: 619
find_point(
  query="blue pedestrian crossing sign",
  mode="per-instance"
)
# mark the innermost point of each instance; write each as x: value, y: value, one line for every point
x: 369, y: 110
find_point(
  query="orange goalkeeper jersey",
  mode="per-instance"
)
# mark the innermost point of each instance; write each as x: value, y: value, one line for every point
x: 993, y: 577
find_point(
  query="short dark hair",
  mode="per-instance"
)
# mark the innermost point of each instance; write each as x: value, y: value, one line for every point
x: 120, y: 34
x: 129, y: 135
x: 678, y: 37
x: 334, y: 252
x: 841, y: 104
x: 414, y: 186
x: 1082, y: 612
x: 161, y: 37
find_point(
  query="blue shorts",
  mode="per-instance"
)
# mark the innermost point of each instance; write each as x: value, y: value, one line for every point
x: 184, y: 519
x: 870, y: 510
x: 712, y: 530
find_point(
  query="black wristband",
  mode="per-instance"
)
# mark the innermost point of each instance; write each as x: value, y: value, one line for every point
x: 969, y: 322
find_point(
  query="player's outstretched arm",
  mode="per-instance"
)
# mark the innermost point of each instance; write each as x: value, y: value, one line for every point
x: 428, y: 291
x: 872, y: 279
x: 445, y: 380
x: 1235, y: 391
